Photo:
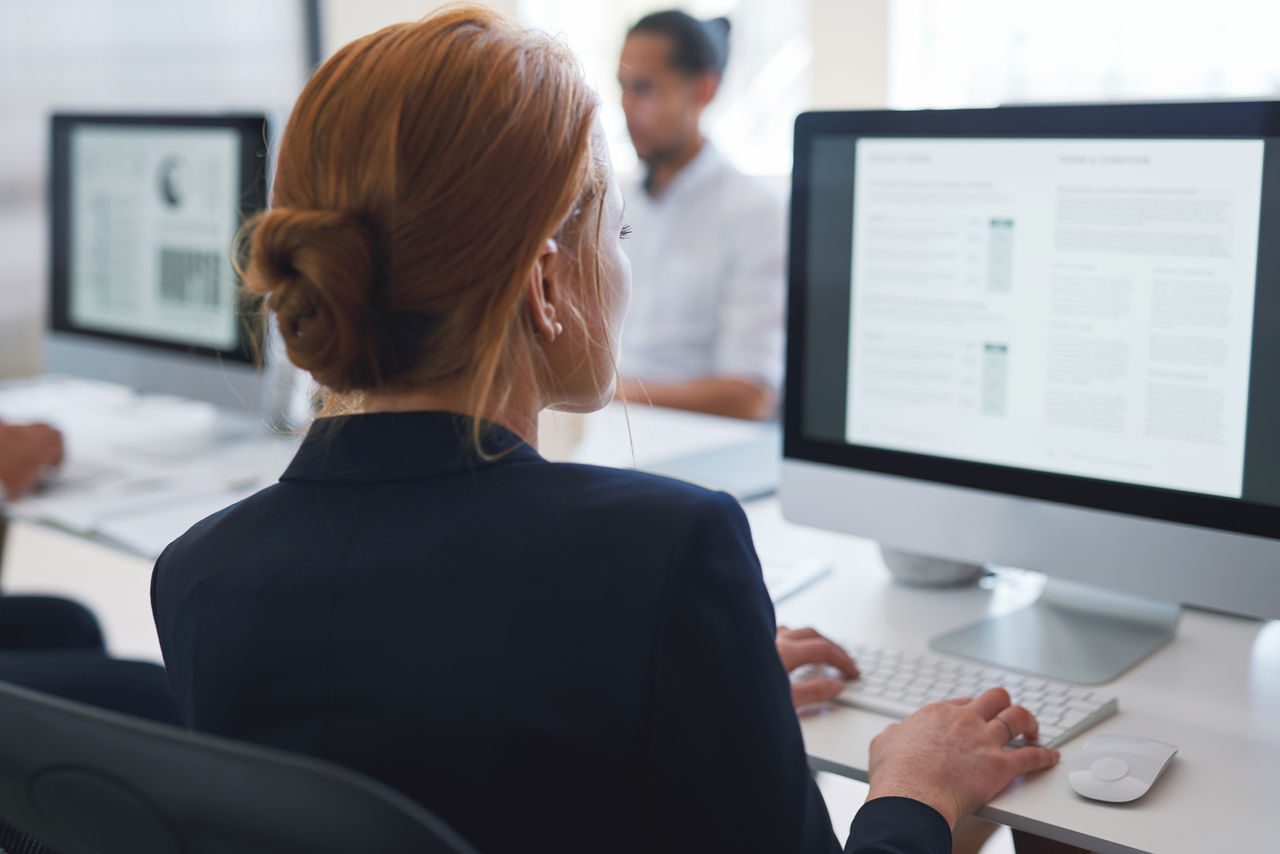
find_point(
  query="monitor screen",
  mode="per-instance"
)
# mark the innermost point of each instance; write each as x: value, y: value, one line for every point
x: 1067, y: 303
x: 145, y: 212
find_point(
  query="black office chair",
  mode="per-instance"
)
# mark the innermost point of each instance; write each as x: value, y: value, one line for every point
x: 83, y: 781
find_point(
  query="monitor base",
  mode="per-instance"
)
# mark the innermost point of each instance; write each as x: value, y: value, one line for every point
x: 1072, y: 633
x: 233, y: 386
x: 922, y: 571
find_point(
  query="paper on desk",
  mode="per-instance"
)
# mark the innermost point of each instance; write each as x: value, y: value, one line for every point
x: 149, y: 532
x: 84, y: 510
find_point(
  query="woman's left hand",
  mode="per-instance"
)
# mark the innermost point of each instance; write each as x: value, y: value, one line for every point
x: 806, y: 648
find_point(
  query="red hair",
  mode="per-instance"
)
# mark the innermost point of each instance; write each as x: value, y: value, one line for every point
x: 422, y: 169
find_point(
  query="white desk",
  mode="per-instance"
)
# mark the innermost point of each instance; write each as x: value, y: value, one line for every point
x: 140, y: 469
x: 1214, y: 692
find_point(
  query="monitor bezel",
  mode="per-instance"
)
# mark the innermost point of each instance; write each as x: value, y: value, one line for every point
x: 1217, y: 120
x: 253, y: 130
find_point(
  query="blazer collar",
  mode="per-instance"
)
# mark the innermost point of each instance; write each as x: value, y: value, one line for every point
x: 384, y: 446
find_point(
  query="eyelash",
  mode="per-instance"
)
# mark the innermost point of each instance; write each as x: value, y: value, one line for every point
x: 626, y: 232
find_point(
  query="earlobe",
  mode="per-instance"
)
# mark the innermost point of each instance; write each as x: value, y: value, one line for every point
x: 544, y: 293
x: 554, y: 328
x: 547, y: 328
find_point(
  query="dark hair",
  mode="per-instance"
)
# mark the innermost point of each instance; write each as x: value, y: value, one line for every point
x: 697, y: 47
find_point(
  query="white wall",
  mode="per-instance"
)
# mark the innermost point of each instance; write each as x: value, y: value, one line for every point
x: 344, y: 20
x: 850, y: 53
x: 139, y: 55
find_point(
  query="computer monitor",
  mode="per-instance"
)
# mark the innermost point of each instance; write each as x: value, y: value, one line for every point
x: 144, y: 210
x: 1048, y: 338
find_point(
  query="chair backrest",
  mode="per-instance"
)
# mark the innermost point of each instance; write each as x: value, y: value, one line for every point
x: 85, y: 781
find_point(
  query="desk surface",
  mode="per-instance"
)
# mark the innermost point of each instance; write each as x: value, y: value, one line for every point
x: 1214, y: 692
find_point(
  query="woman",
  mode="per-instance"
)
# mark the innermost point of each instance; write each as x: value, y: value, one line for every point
x: 551, y: 657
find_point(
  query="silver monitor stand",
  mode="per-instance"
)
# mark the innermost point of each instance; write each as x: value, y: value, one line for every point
x: 249, y: 400
x: 1073, y: 633
x: 228, y: 385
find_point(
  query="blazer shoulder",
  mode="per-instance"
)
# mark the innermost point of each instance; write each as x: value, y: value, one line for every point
x: 648, y: 507
x: 629, y: 489
x: 214, y: 524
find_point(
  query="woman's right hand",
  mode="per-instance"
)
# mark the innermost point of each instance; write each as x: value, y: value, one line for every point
x: 952, y: 755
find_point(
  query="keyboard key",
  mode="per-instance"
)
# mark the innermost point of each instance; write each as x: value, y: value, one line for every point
x: 895, y: 684
x: 1070, y: 719
x: 1048, y: 734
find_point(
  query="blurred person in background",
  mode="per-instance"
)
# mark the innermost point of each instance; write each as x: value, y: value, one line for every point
x: 707, y: 243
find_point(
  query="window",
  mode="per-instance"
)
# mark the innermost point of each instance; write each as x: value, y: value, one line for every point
x: 765, y: 86
x: 987, y: 52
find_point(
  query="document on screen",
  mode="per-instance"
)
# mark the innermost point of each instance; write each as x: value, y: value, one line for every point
x: 1074, y: 306
x: 153, y: 216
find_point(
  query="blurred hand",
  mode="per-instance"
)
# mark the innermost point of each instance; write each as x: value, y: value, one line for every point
x: 26, y: 450
x: 805, y: 648
x: 631, y: 390
x: 952, y: 755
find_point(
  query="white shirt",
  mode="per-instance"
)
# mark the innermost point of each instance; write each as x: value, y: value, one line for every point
x: 707, y: 270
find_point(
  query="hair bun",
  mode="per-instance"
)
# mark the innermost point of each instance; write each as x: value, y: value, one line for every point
x: 717, y: 30
x: 316, y: 270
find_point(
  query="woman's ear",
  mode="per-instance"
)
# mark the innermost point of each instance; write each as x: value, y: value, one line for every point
x: 545, y: 291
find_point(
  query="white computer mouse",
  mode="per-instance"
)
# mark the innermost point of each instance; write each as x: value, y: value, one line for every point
x: 1119, y: 768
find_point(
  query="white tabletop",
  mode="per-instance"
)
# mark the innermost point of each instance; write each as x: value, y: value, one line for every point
x: 1214, y: 692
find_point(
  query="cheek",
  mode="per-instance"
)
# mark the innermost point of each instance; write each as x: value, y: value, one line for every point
x: 619, y: 287
x: 642, y: 112
x: 677, y: 109
x: 606, y: 317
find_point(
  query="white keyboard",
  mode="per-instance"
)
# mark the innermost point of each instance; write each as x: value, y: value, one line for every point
x: 896, y: 684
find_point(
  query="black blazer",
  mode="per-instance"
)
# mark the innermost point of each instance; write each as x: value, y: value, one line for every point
x: 550, y: 657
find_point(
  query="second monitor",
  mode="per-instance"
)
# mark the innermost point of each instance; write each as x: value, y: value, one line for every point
x: 1045, y: 337
x: 144, y: 211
